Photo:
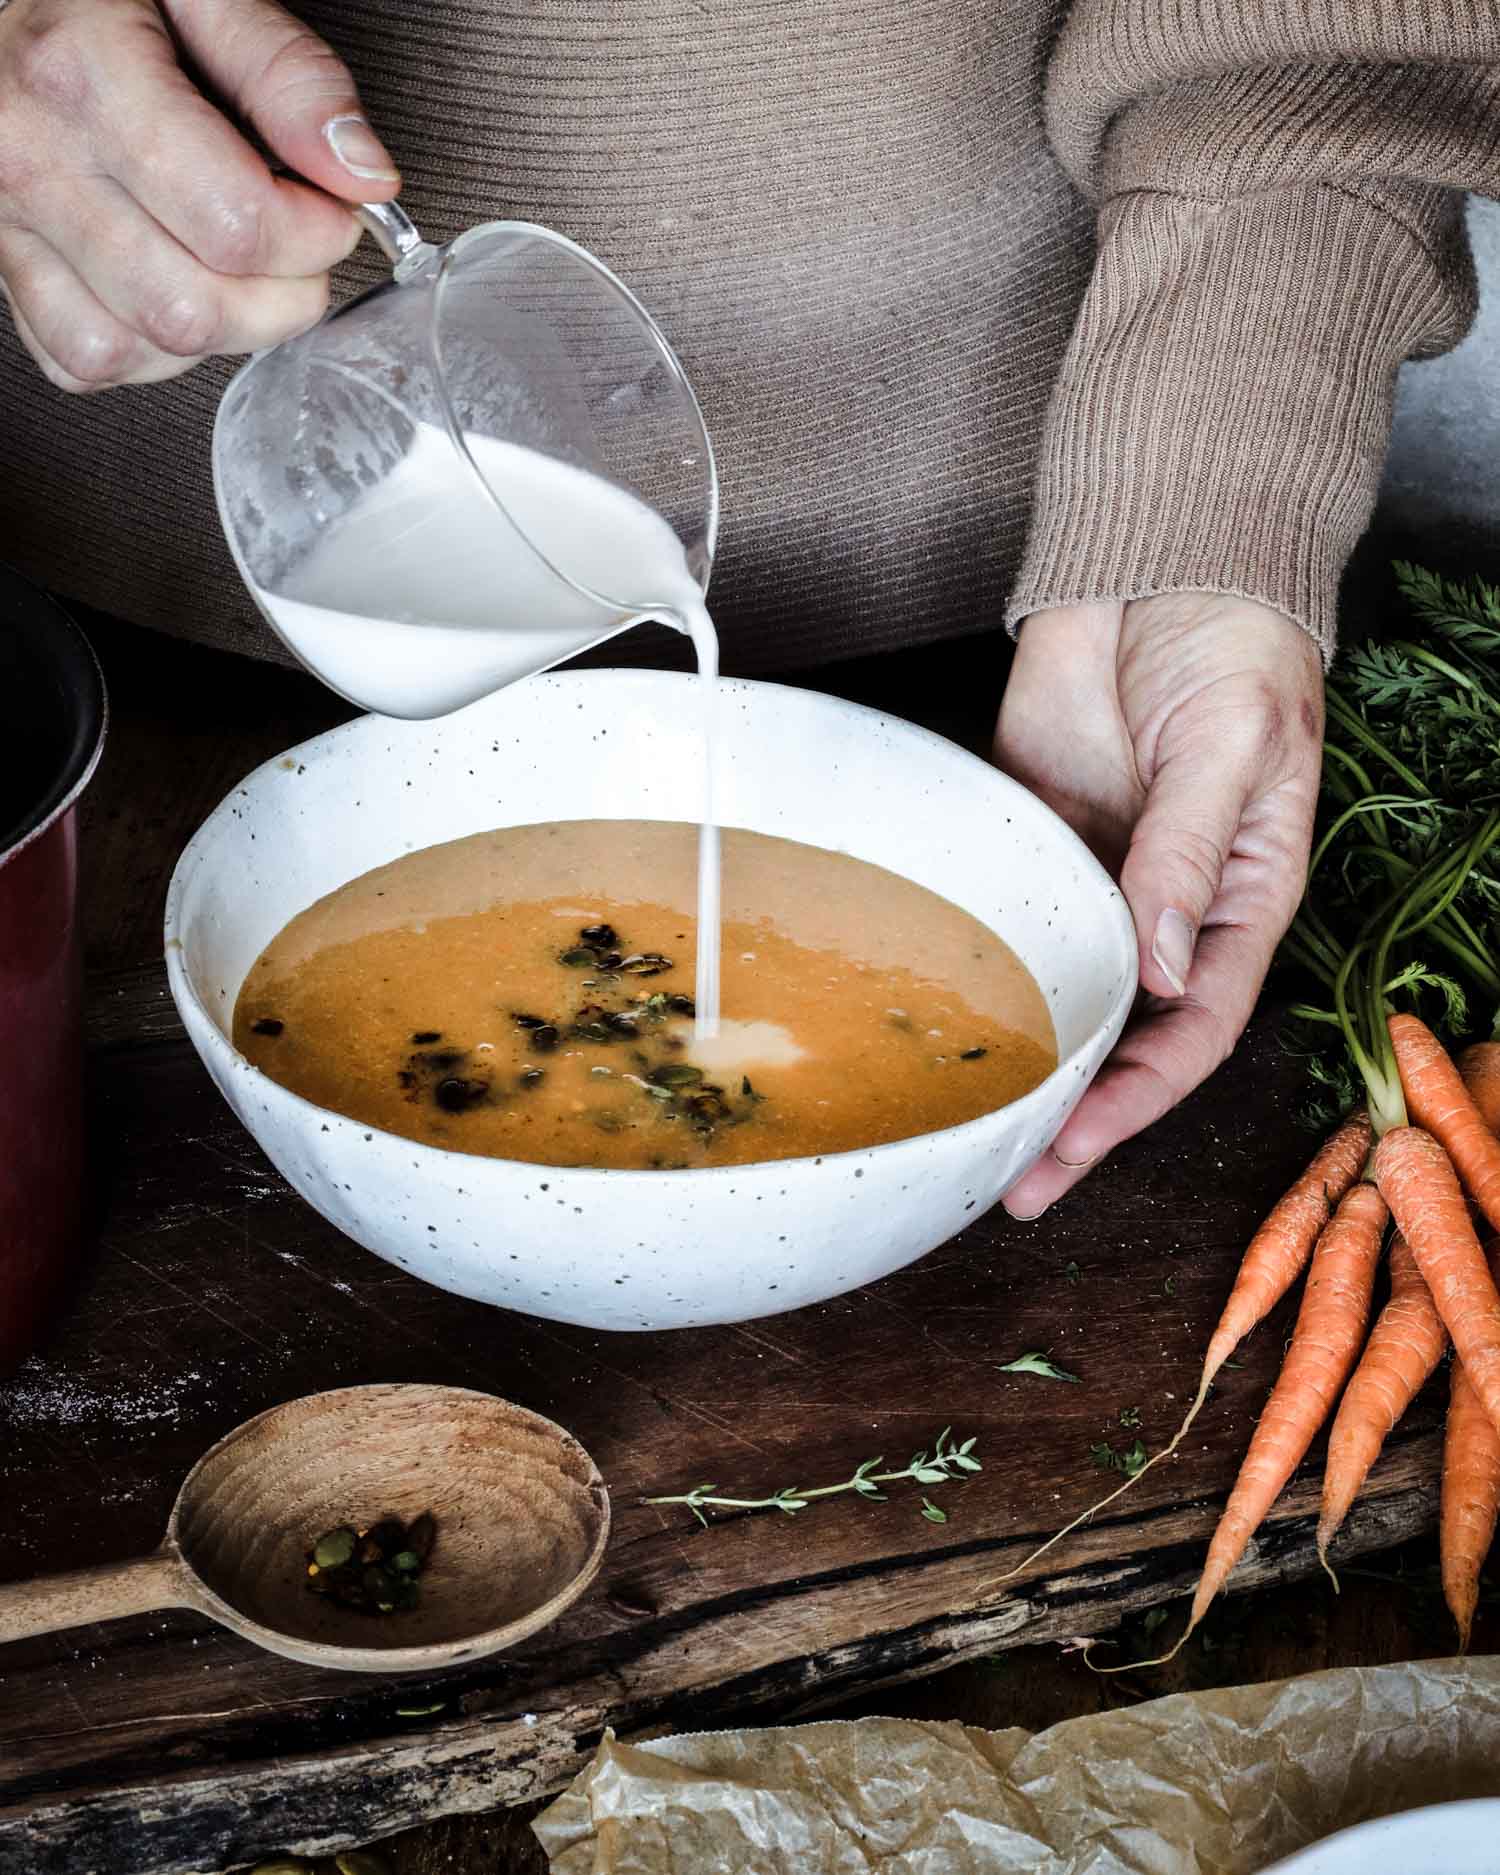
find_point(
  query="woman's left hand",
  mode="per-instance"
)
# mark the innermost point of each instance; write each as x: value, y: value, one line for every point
x: 1181, y: 736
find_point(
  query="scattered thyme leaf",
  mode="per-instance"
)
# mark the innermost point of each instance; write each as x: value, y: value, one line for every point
x: 1038, y: 1363
x: 1072, y: 1275
x: 1130, y: 1461
x: 1130, y: 1417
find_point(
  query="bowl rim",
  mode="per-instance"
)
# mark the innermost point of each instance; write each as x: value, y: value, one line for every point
x: 184, y: 992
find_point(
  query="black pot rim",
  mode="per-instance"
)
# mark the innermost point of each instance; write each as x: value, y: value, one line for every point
x: 59, y: 644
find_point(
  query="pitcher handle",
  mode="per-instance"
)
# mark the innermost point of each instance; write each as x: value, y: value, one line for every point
x: 395, y: 233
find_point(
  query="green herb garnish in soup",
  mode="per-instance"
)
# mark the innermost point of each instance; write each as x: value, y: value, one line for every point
x: 528, y: 994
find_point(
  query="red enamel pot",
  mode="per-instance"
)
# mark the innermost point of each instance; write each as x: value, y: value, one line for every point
x: 52, y: 713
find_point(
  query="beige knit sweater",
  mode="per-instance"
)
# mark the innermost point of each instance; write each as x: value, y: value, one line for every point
x: 987, y: 302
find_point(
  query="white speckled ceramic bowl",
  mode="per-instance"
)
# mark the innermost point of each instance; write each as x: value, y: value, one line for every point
x: 636, y: 1250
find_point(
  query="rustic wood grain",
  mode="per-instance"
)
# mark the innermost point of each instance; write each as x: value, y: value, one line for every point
x: 161, y: 1745
x: 217, y: 1292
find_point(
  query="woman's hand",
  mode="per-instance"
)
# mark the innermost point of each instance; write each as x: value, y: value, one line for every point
x: 1182, y: 737
x: 139, y: 230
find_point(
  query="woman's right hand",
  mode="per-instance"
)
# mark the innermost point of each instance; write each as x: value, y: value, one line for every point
x: 139, y: 230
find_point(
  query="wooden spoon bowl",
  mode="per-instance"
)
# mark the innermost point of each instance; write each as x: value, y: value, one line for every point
x: 522, y: 1521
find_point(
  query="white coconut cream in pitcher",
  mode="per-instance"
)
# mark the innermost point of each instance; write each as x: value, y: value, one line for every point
x: 422, y: 597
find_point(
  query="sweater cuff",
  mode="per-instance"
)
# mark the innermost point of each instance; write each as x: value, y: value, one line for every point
x: 1222, y: 412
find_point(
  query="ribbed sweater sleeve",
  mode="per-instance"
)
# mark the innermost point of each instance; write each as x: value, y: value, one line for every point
x: 1279, y: 227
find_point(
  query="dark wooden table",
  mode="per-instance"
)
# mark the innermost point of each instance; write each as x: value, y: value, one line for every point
x: 163, y: 1744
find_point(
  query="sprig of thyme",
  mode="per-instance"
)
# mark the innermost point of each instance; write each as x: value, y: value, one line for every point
x: 946, y: 1461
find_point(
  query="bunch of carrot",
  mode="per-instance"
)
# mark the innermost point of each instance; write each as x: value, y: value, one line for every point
x: 1402, y: 907
x: 1425, y: 1156
x: 1403, y: 886
x: 1333, y: 1223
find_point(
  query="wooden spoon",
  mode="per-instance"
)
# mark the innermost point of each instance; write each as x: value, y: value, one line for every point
x: 522, y: 1521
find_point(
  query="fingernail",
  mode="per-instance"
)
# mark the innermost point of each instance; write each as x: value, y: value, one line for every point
x: 359, y: 149
x: 1025, y: 1217
x: 1172, y: 948
x: 1074, y: 1165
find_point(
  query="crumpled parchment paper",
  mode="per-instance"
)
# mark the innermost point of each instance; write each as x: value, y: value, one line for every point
x: 1214, y: 1783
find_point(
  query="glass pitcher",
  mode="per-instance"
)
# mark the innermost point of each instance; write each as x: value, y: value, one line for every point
x: 477, y: 469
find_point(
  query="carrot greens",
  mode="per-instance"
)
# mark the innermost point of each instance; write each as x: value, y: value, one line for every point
x: 1403, y: 899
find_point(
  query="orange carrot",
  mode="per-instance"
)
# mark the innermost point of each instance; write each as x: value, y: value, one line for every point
x: 1479, y: 1070
x: 1324, y: 1347
x: 1418, y: 1182
x: 1471, y: 1446
x: 1275, y: 1258
x: 1470, y: 1499
x: 1279, y: 1250
x: 1438, y: 1101
x: 1405, y: 1345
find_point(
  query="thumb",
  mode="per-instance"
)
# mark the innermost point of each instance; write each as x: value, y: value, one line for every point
x: 1177, y: 855
x: 293, y: 88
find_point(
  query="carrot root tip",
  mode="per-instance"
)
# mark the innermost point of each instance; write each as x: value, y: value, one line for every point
x: 1135, y: 1666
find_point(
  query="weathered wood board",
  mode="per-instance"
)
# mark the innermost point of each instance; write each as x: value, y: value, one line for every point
x: 161, y: 1745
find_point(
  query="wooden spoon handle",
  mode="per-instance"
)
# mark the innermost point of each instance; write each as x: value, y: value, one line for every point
x: 47, y: 1603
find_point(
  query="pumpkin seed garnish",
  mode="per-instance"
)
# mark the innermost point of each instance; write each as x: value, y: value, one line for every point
x: 267, y: 1025
x: 546, y: 1038
x: 973, y: 1054
x: 334, y: 1550
x: 424, y: 1036
x: 438, y: 1060
x: 455, y: 1094
x: 523, y: 1021
x: 682, y: 1006
x: 533, y: 1077
x: 708, y: 1107
x: 601, y: 936
x: 373, y: 1570
x: 579, y: 958
x: 675, y: 1074
x: 380, y: 1538
x: 592, y: 1032
x: 644, y: 964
